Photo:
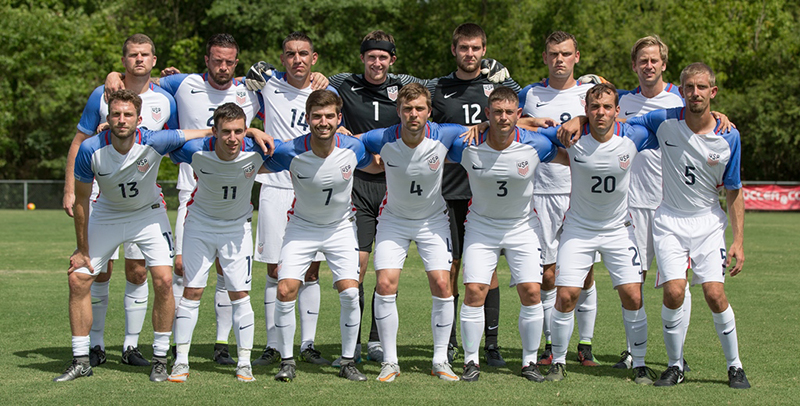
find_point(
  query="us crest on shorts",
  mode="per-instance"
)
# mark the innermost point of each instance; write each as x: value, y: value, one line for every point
x: 347, y: 171
x: 434, y: 162
x: 624, y: 161
x: 155, y: 112
x: 391, y: 91
x: 523, y: 167
x: 712, y: 159
x: 142, y: 165
x: 249, y: 170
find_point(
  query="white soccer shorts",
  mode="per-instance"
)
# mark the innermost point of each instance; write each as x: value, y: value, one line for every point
x: 683, y: 242
x: 578, y: 250
x: 303, y: 240
x: 432, y: 236
x: 550, y: 210
x: 131, y: 250
x: 484, y: 239
x: 234, y: 250
x: 643, y: 221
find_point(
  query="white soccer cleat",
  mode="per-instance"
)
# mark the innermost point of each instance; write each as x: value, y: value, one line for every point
x: 389, y: 371
x: 444, y: 371
x: 244, y: 373
x: 179, y: 373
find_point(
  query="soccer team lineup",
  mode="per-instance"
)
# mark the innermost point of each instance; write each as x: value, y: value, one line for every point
x: 554, y: 176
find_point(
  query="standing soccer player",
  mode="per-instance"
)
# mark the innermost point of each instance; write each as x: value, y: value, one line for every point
x: 218, y: 225
x: 124, y: 160
x: 321, y: 220
x: 138, y: 58
x: 501, y: 219
x: 689, y: 222
x: 560, y: 97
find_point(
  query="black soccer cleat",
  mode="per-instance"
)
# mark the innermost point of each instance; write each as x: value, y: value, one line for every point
x: 133, y: 357
x: 492, y: 355
x: 97, y: 356
x: 671, y: 377
x: 471, y: 372
x: 737, y: 379
x: 531, y: 372
x: 585, y: 356
x: 222, y: 356
x: 269, y: 356
x: 546, y: 358
x: 287, y: 371
x: 557, y: 372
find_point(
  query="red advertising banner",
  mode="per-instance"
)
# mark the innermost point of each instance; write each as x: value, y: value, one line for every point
x: 771, y: 197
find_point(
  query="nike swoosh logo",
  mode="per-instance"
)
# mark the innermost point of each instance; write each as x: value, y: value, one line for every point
x: 671, y: 327
x: 638, y: 344
x: 277, y: 326
x: 140, y: 301
x: 447, y: 96
x: 207, y: 173
x: 244, y: 327
x: 540, y: 104
x: 630, y: 113
x: 194, y: 91
x: 669, y: 145
x: 182, y: 317
x: 449, y: 261
x: 103, y: 174
x: 729, y: 331
x: 302, y: 177
x: 278, y: 92
x: 85, y: 372
x: 477, y: 168
x: 222, y: 305
x: 97, y: 302
x: 248, y: 281
x: 355, y: 89
x: 269, y: 303
x: 310, y: 312
x: 578, y: 160
x: 446, y: 325
x: 388, y: 164
x: 582, y: 311
x: 492, y: 327
x: 381, y: 318
x: 350, y: 325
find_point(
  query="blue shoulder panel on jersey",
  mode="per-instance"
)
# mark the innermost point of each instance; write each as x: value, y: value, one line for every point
x: 674, y: 90
x: 732, y: 176
x: 285, y: 152
x: 550, y: 133
x: 83, y: 161
x: 457, y: 150
x: 374, y: 140
x: 185, y: 153
x: 354, y: 144
x: 543, y: 145
x: 90, y: 118
x: 172, y: 83
x: 446, y: 133
x: 653, y: 119
x: 641, y: 137
x: 163, y: 141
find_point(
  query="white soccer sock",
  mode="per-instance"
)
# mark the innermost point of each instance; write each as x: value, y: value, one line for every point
x: 687, y: 310
x: 243, y: 328
x: 177, y: 288
x: 548, y: 303
x: 270, y: 297
x: 472, y: 323
x: 725, y: 323
x: 636, y: 334
x: 308, y: 298
x: 387, y: 321
x: 349, y: 320
x: 561, y: 326
x: 586, y: 314
x: 80, y: 346
x: 185, y: 321
x: 224, y: 311
x: 530, y: 330
x: 285, y: 326
x: 442, y: 314
x: 161, y: 343
x: 135, y: 302
x: 99, y: 291
x: 672, y: 320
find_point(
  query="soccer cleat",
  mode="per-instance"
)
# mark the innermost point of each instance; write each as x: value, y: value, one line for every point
x: 338, y: 361
x: 350, y: 371
x: 375, y: 351
x: 133, y: 357
x: 269, y: 356
x: 686, y: 366
x: 75, y: 370
x: 531, y: 372
x: 625, y: 362
x: 313, y: 356
x: 671, y: 377
x: 643, y: 375
x: 557, y: 372
x: 444, y: 372
x: 180, y: 372
x: 547, y: 355
x: 389, y: 371
x: 286, y: 374
x: 585, y: 356
x: 737, y: 379
x: 97, y: 356
x: 471, y: 372
x: 244, y: 373
x: 159, y: 371
x: 222, y: 356
x: 493, y: 357
x: 452, y: 352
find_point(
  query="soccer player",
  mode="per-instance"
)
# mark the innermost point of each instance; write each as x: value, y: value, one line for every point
x: 124, y: 160
x: 560, y: 97
x: 218, y: 226
x: 461, y: 98
x: 598, y: 221
x: 284, y: 100
x: 321, y: 220
x: 501, y: 219
x: 413, y: 153
x: 138, y: 58
x: 689, y: 222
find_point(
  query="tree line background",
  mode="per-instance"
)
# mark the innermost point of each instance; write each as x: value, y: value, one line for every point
x: 53, y: 53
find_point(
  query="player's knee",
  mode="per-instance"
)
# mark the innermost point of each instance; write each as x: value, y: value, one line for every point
x: 135, y: 271
x: 79, y: 284
x: 162, y: 283
x: 193, y: 293
x: 715, y: 297
x: 475, y: 294
x: 286, y: 292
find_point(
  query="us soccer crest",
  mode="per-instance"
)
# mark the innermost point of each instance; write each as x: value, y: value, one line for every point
x: 712, y: 159
x: 241, y: 97
x: 487, y: 89
x: 249, y: 170
x: 142, y: 165
x: 583, y: 100
x: 523, y: 167
x: 434, y: 162
x: 624, y: 161
x: 391, y: 91
x: 347, y: 171
x: 155, y: 112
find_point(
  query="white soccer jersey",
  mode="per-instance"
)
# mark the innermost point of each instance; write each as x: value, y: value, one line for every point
x: 502, y: 181
x: 221, y: 199
x: 322, y: 186
x: 541, y: 100
x: 197, y: 100
x: 158, y: 110
x: 601, y: 176
x: 413, y: 175
x: 128, y: 189
x: 695, y: 166
x: 645, y: 188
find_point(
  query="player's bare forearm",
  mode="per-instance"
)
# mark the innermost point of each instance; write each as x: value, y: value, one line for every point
x: 562, y: 157
x: 725, y: 124
x: 735, y: 201
x: 318, y: 81
x: 532, y: 123
x: 570, y: 132
x: 264, y: 140
x: 473, y: 132
x: 69, y: 179
x: 374, y: 167
x: 192, y: 134
x: 83, y: 191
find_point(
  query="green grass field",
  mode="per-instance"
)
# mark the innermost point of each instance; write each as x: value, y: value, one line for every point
x: 35, y: 338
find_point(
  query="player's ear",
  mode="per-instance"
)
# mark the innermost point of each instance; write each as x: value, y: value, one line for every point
x: 392, y: 60
x: 453, y: 49
x: 714, y: 90
x: 314, y: 57
x: 139, y: 121
x: 577, y: 56
x: 519, y: 113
